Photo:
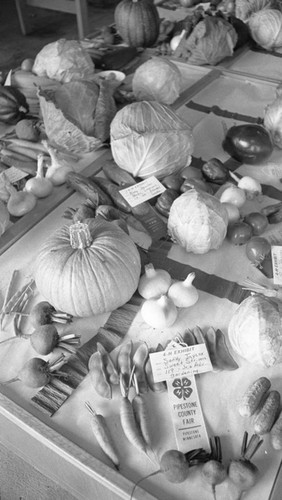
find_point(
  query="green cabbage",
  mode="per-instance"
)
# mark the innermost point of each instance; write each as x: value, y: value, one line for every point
x: 266, y: 28
x: 157, y: 80
x: 245, y: 8
x: 211, y: 40
x: 149, y: 138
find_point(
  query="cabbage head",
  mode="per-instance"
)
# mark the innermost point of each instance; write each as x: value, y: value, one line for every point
x: 64, y: 61
x: 266, y: 28
x: 157, y: 80
x: 245, y: 8
x: 197, y: 221
x: 211, y: 40
x: 149, y: 139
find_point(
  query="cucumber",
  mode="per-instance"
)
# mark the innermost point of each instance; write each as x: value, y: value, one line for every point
x: 266, y: 417
x: 253, y: 396
x: 276, y: 433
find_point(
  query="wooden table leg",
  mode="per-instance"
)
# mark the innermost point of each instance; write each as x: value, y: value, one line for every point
x: 82, y: 17
x: 23, y: 17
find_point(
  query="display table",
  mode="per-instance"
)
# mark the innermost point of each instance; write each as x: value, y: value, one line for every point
x: 62, y: 447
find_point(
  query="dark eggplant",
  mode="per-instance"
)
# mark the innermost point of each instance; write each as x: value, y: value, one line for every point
x: 248, y: 143
x: 215, y: 171
x: 165, y: 200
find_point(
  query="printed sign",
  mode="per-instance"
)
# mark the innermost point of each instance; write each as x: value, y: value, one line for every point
x: 177, y: 365
x: 142, y: 191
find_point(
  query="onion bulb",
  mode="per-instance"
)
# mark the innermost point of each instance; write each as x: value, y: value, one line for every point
x: 233, y: 212
x: 58, y: 170
x: 251, y: 186
x: 20, y: 202
x: 39, y: 185
x: 234, y: 195
x: 184, y: 293
x: 154, y: 282
x: 159, y: 312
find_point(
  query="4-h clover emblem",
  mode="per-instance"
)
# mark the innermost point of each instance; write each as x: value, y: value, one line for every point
x: 182, y: 388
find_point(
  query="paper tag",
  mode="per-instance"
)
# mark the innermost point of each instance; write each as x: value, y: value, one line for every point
x: 188, y: 422
x: 142, y: 191
x: 14, y: 174
x: 276, y: 255
x: 179, y: 362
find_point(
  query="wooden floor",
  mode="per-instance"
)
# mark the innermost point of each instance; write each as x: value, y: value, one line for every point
x: 48, y: 27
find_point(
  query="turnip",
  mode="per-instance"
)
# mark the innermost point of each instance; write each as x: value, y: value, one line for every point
x: 36, y: 372
x: 242, y: 472
x: 46, y: 338
x: 213, y: 471
x: 43, y: 313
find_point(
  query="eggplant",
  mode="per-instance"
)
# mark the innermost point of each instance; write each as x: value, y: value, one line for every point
x: 248, y: 143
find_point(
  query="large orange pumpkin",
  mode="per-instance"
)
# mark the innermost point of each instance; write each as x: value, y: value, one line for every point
x: 137, y: 22
x: 88, y: 268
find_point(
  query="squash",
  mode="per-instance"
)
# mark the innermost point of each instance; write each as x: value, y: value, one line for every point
x: 137, y: 22
x: 87, y: 268
x: 13, y: 105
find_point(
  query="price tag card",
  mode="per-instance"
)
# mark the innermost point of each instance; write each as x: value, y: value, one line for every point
x: 142, y: 191
x: 180, y: 361
x: 186, y: 413
x: 276, y: 255
x: 14, y: 174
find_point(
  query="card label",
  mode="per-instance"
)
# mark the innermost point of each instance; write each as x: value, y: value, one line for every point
x: 142, y: 191
x: 276, y: 255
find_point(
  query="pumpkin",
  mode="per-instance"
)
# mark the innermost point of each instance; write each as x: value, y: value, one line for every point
x: 137, y: 22
x: 13, y: 105
x: 87, y: 268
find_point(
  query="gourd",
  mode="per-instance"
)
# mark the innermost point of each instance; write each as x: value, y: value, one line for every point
x: 13, y: 105
x: 87, y: 268
x: 197, y: 221
x: 255, y: 331
x: 137, y: 22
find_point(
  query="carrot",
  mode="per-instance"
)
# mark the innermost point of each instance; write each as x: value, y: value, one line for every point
x: 139, y: 361
x: 29, y: 167
x: 103, y: 436
x: 28, y: 153
x: 24, y: 143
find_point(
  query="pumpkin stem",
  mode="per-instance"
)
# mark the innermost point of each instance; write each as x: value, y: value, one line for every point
x: 80, y: 236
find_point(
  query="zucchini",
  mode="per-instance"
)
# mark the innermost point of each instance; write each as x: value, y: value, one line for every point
x: 253, y: 396
x: 267, y: 415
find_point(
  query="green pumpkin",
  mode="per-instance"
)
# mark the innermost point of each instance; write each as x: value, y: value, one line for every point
x: 137, y: 22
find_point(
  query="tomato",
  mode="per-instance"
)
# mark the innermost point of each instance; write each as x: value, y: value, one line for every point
x: 257, y: 221
x: 248, y: 143
x: 27, y: 64
x: 239, y: 233
x: 257, y: 249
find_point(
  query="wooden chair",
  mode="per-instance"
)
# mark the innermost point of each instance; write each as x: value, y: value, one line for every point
x: 77, y: 7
